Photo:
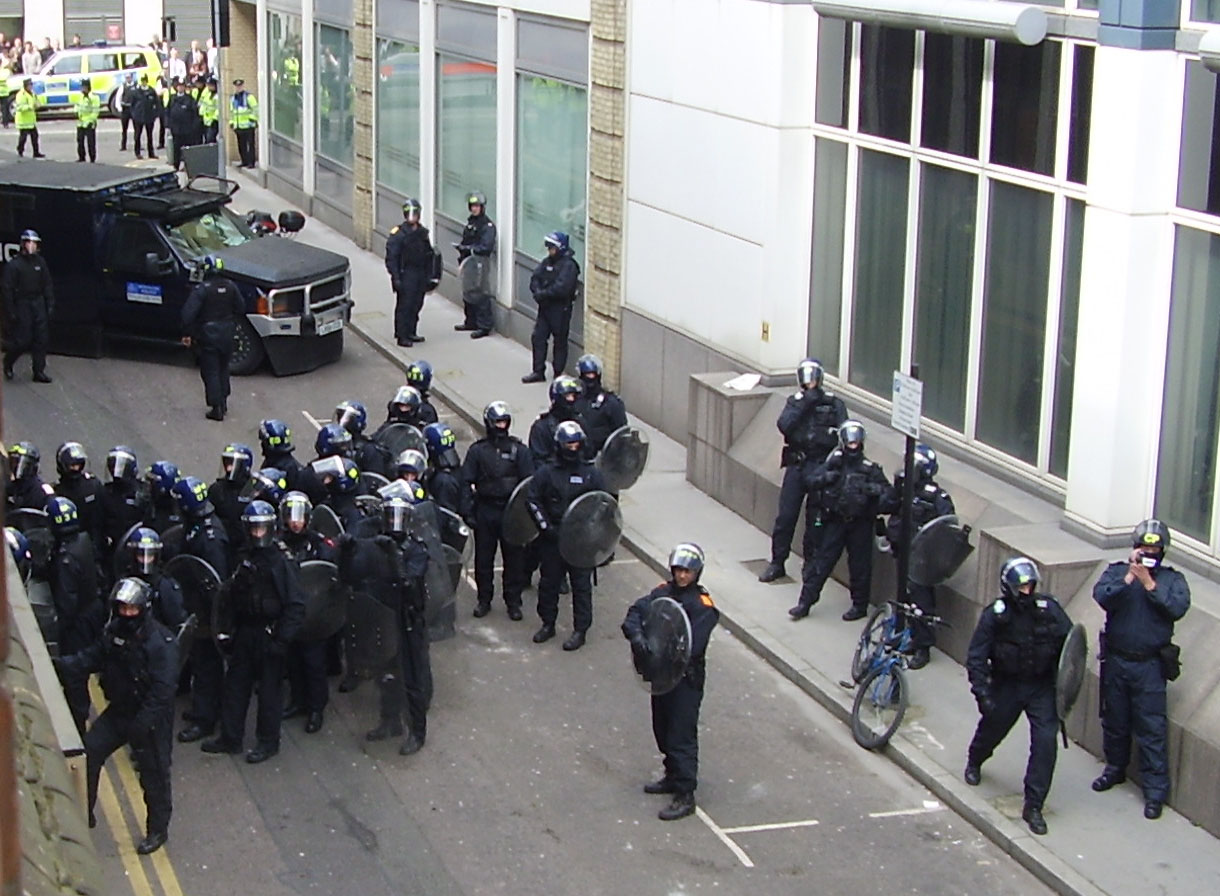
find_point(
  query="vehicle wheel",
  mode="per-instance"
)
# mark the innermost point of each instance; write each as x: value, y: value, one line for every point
x: 871, y: 638
x: 881, y: 702
x: 248, y: 350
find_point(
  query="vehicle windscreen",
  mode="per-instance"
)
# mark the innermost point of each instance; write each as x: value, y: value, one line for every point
x: 211, y: 231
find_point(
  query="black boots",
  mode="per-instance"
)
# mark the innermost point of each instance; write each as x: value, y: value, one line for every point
x: 661, y: 785
x: 1107, y: 779
x: 152, y: 843
x: 772, y: 572
x: 575, y: 642
x: 387, y: 728
x: 1032, y: 816
x: 683, y: 805
x: 800, y: 611
x: 544, y: 634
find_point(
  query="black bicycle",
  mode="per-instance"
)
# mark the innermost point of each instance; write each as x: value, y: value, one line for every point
x: 878, y: 668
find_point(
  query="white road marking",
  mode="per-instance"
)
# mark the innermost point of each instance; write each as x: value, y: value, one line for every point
x: 777, y: 826
x: 926, y: 810
x: 314, y: 421
x: 724, y: 838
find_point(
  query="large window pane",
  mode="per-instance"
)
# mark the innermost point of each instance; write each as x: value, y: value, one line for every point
x: 834, y: 67
x: 1198, y: 176
x: 1082, y: 106
x: 1186, y: 470
x: 881, y: 224
x: 1026, y: 104
x: 1014, y: 320
x: 1065, y: 362
x: 887, y: 62
x: 552, y: 129
x: 826, y: 276
x: 398, y: 116
x: 942, y: 291
x: 335, y: 95
x: 284, y: 97
x: 1205, y: 10
x: 467, y: 132
x: 952, y: 87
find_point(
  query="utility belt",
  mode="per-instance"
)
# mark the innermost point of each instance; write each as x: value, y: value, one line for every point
x: 1133, y: 656
x: 1168, y: 656
x: 792, y: 456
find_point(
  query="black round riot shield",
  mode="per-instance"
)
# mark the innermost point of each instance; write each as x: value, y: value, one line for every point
x: 123, y: 559
x: 519, y: 526
x: 186, y: 634
x: 43, y: 604
x: 475, y: 275
x: 668, y: 632
x: 590, y: 530
x: 172, y: 540
x: 1070, y: 676
x: 324, y: 521
x: 200, y: 585
x: 325, y: 600
x: 440, y: 609
x: 371, y: 636
x: 372, y: 481
x: 938, y: 550
x: 623, y: 457
x: 398, y: 437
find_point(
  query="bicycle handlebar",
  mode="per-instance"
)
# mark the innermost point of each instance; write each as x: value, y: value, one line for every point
x: 916, y: 612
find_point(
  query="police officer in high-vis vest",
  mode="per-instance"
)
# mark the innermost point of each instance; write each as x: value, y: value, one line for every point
x: 209, y: 111
x: 88, y: 108
x: 243, y: 119
x: 25, y: 109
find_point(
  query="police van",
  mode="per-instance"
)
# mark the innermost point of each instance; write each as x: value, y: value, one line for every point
x: 123, y: 247
x: 58, y: 82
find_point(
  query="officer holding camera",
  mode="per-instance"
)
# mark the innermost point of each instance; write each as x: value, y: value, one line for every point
x: 1142, y: 599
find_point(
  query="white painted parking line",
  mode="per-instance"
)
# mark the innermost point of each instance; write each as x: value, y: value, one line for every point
x: 314, y: 421
x: 928, y: 808
x: 777, y: 826
x: 724, y: 838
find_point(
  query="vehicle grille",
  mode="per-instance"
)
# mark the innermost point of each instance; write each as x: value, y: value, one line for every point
x: 327, y: 293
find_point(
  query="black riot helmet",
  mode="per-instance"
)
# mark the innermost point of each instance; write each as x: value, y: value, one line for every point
x: 259, y: 521
x: 589, y: 366
x: 497, y: 419
x: 130, y: 600
x: 687, y: 555
x: 121, y: 464
x: 412, y: 209
x: 23, y: 459
x: 1151, y: 539
x: 851, y: 438
x: 476, y: 197
x: 411, y: 462
x: 144, y: 546
x: 295, y: 512
x: 70, y: 460
x: 926, y: 464
x: 565, y: 390
x: 569, y: 439
x: 1017, y: 572
x: 396, y: 513
x: 404, y: 406
x: 809, y: 373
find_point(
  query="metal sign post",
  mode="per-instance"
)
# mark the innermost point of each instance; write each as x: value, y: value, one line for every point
x: 904, y: 417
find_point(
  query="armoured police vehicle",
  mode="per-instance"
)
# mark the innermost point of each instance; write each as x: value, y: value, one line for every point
x: 123, y: 247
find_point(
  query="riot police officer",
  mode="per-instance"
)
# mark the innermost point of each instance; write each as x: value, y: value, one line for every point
x: 419, y: 376
x: 158, y: 507
x: 928, y: 502
x: 25, y: 487
x: 120, y: 501
x: 478, y: 238
x: 84, y: 490
x: 137, y: 659
x: 493, y: 467
x: 209, y: 323
x: 404, y: 407
x: 810, y: 423
x: 390, y: 567
x: 74, y: 592
x: 601, y: 411
x: 565, y: 394
x: 144, y: 548
x: 236, y: 465
x: 553, y: 285
x: 261, y: 608
x: 368, y: 455
x: 409, y: 259
x: 849, y: 487
x: 203, y: 537
x: 306, y: 662
x: 1142, y: 599
x: 29, y: 304
x: 553, y: 488
x: 441, y: 479
x: 275, y: 440
x: 341, y: 478
x: 1011, y: 663
x: 675, y: 715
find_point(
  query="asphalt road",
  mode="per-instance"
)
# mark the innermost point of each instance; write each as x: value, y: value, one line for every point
x: 530, y: 780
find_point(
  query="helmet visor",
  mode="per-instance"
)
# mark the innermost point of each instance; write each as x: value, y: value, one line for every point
x: 121, y: 465
x: 22, y: 465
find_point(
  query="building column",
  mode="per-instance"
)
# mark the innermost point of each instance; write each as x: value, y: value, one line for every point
x: 607, y: 170
x: 364, y: 48
x: 1126, y: 278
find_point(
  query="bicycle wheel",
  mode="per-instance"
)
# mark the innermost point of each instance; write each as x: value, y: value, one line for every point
x: 868, y: 648
x: 881, y: 702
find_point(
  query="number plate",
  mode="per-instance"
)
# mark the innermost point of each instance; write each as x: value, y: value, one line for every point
x: 329, y: 324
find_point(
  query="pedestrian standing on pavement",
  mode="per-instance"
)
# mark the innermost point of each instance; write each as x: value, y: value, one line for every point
x: 138, y: 661
x: 88, y: 108
x: 494, y: 466
x: 849, y: 486
x: 127, y: 94
x: 6, y: 93
x: 184, y: 124
x: 145, y: 111
x: 1142, y: 599
x: 209, y: 323
x: 1011, y: 664
x: 553, y: 285
x: 675, y: 715
x: 164, y: 93
x: 601, y: 411
x: 243, y: 119
x: 810, y: 424
x: 928, y: 501
x: 478, y: 238
x: 261, y: 607
x: 25, y: 107
x: 29, y: 303
x: 409, y: 258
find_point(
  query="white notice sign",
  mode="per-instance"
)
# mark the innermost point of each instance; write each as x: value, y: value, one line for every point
x: 908, y: 400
